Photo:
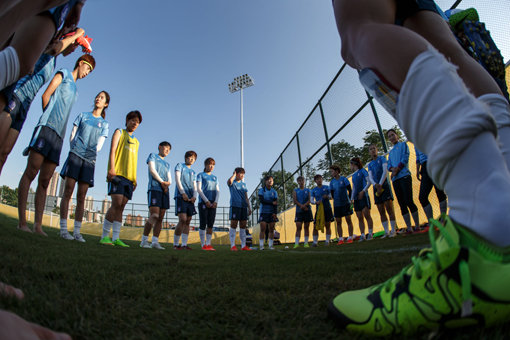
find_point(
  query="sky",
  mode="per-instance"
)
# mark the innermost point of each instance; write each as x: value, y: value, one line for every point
x: 173, y: 61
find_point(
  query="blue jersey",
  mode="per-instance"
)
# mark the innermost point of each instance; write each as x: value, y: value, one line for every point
x: 318, y: 193
x: 302, y: 196
x: 90, y: 128
x: 376, y: 167
x: 399, y: 154
x: 162, y: 168
x: 420, y: 156
x: 359, y: 181
x: 339, y: 189
x: 56, y: 113
x: 267, y: 197
x: 208, y: 183
x: 238, y: 191
x: 188, y: 179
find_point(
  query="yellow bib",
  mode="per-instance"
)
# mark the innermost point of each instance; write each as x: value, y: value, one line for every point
x: 126, y: 156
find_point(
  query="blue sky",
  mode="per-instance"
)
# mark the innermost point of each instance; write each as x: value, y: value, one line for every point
x: 173, y: 60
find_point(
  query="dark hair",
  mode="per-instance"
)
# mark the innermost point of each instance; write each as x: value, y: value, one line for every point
x: 317, y: 176
x: 134, y: 114
x: 240, y: 170
x: 189, y: 154
x: 165, y: 143
x: 300, y: 177
x: 357, y: 161
x: 208, y: 161
x: 107, y: 96
x: 267, y: 177
x: 87, y: 58
x: 390, y: 130
x: 335, y: 167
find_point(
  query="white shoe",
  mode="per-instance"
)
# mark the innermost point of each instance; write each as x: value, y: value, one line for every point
x: 79, y: 238
x: 271, y: 248
x: 261, y: 248
x: 66, y: 236
x: 156, y: 245
x: 145, y: 244
x: 362, y: 238
x: 385, y: 235
x: 393, y: 234
x: 369, y: 237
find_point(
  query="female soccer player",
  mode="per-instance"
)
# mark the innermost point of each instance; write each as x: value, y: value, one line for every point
x: 268, y: 198
x: 361, y: 183
x: 90, y: 129
x: 322, y: 194
x: 240, y: 208
x: 209, y: 194
x: 341, y: 191
x: 302, y: 199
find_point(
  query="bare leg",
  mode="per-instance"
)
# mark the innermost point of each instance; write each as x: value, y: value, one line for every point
x: 159, y: 223
x: 34, y: 163
x: 151, y: 222
x: 350, y: 227
x: 7, y: 145
x: 68, y: 194
x: 361, y: 220
x: 339, y: 227
x: 47, y: 170
x: 80, y: 201
x: 181, y: 224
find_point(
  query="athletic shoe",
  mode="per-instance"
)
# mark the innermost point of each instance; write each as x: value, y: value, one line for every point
x: 385, y: 235
x: 246, y: 248
x: 118, y: 242
x: 234, y: 248
x: 186, y: 247
x: 156, y: 245
x: 295, y: 246
x: 326, y: 244
x: 409, y: 231
x: 271, y: 248
x: 145, y: 244
x: 79, y: 238
x: 461, y: 281
x: 349, y: 240
x: 211, y: 248
x: 66, y: 236
x: 369, y: 237
x: 261, y: 248
x: 362, y: 238
x: 340, y: 242
x: 106, y: 240
x: 178, y: 247
x: 393, y: 234
x: 205, y: 247
x: 314, y: 245
x: 306, y: 245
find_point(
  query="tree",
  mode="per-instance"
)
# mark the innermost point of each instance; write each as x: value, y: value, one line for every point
x: 373, y: 137
x: 341, y: 152
x: 9, y: 196
x: 284, y: 189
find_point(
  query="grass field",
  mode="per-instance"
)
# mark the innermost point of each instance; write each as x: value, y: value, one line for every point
x: 101, y: 292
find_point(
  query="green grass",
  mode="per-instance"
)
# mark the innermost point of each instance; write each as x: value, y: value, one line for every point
x: 101, y: 292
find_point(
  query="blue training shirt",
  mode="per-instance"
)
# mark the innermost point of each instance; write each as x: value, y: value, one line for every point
x: 420, y: 156
x: 359, y: 181
x: 188, y: 177
x: 302, y: 196
x: 162, y: 168
x: 339, y: 189
x: 90, y: 128
x: 399, y: 154
x: 376, y: 167
x: 208, y: 183
x: 267, y: 197
x: 56, y: 113
x: 318, y: 193
x: 238, y: 192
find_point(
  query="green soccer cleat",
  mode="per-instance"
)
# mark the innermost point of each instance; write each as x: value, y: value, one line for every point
x: 295, y: 246
x: 306, y: 245
x: 118, y: 242
x: 461, y: 281
x: 106, y: 240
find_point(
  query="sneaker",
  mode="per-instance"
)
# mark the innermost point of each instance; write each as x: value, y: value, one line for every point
x: 211, y: 248
x: 246, y: 248
x: 156, y: 245
x: 393, y: 234
x: 306, y: 245
x: 462, y: 280
x: 178, y: 247
x: 234, y: 248
x: 118, y: 242
x: 340, y: 242
x: 66, y: 236
x: 295, y: 246
x: 186, y: 247
x: 145, y: 244
x: 271, y: 248
x: 106, y: 240
x: 79, y: 238
x: 261, y: 248
x: 385, y: 235
x: 409, y: 231
x: 349, y: 240
x: 362, y: 238
x: 314, y: 245
x: 369, y: 237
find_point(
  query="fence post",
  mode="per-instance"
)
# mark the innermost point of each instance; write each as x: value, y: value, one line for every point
x: 330, y: 158
x: 284, y: 195
x: 299, y: 155
x: 379, y: 128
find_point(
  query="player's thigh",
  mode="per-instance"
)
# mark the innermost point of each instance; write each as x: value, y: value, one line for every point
x: 9, y: 141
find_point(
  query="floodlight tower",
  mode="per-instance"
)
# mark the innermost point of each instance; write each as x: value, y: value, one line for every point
x: 239, y: 84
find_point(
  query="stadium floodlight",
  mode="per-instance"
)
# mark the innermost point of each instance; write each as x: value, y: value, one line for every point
x: 239, y: 84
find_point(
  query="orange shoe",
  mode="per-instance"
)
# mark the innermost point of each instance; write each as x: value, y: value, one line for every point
x: 340, y: 242
x: 234, y: 248
x: 210, y: 248
x: 245, y: 248
x: 349, y: 240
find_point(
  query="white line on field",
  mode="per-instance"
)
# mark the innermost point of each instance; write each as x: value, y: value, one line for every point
x: 375, y: 251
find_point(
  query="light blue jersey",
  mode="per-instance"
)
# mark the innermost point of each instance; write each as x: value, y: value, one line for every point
x: 188, y: 178
x: 162, y: 168
x: 27, y: 87
x: 56, y: 113
x: 420, y: 156
x: 302, y: 196
x: 318, y: 193
x: 339, y: 189
x: 376, y: 167
x: 399, y: 154
x: 90, y: 128
x: 208, y: 183
x: 267, y: 197
x: 359, y: 181
x: 238, y: 191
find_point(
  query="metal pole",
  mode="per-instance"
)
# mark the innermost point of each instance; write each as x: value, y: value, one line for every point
x: 299, y: 155
x: 242, y: 136
x: 330, y: 158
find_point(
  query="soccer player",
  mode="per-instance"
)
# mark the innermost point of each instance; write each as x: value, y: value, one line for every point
x: 361, y: 183
x: 268, y: 198
x: 160, y: 178
x: 90, y: 129
x: 341, y: 191
x: 185, y: 197
x: 46, y: 144
x: 321, y: 194
x: 426, y: 186
x: 383, y: 196
x: 209, y: 194
x: 240, y: 208
x: 463, y: 278
x: 398, y: 160
x: 17, y: 98
x: 121, y: 177
x: 302, y: 199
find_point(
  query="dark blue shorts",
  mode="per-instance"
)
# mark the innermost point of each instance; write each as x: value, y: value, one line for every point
x: 362, y: 203
x: 121, y: 186
x: 304, y: 216
x: 328, y: 213
x: 79, y: 169
x: 343, y: 210
x: 407, y: 8
x: 18, y: 111
x: 386, y: 195
x: 238, y: 214
x: 59, y: 14
x: 182, y: 207
x: 268, y: 218
x: 158, y: 199
x: 206, y: 215
x: 46, y: 142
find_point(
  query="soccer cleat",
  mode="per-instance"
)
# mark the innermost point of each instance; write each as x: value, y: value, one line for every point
x: 145, y: 244
x: 156, y: 245
x: 362, y: 238
x: 295, y: 246
x: 385, y: 235
x: 461, y: 281
x: 306, y: 245
x: 271, y: 248
x: 211, y: 248
x: 393, y: 234
x: 314, y: 245
x: 118, y: 242
x: 106, y: 240
x: 205, y: 247
x: 177, y: 247
x: 79, y: 238
x: 349, y: 240
x: 340, y: 242
x: 369, y: 237
x: 246, y: 248
x: 234, y: 248
x: 66, y: 236
x: 186, y: 247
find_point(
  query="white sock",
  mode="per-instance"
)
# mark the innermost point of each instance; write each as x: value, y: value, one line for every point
x: 428, y: 212
x: 9, y: 67
x: 328, y: 237
x: 145, y: 238
x: 201, y: 233
x: 385, y: 226
x: 208, y: 238
x: 184, y: 239
x: 154, y: 239
x: 270, y: 242
x: 315, y: 239
x: 261, y: 243
x: 107, y: 226
x: 407, y: 220
x: 176, y: 240
x: 242, y: 236
x: 232, y: 236
x: 392, y: 224
x: 63, y: 226
x: 306, y: 239
x: 416, y: 218
x: 77, y: 228
x: 443, y: 206
x: 116, y: 230
x: 297, y: 240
